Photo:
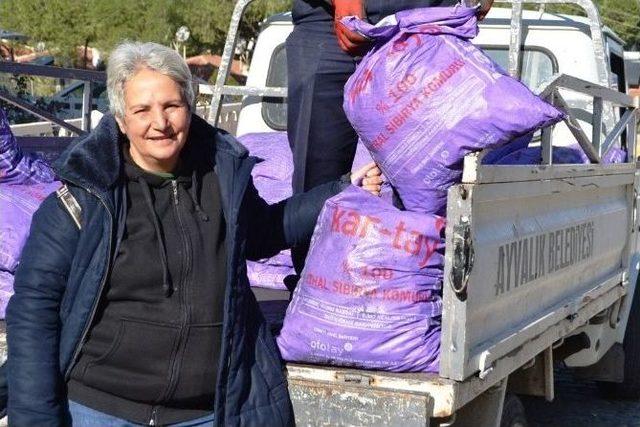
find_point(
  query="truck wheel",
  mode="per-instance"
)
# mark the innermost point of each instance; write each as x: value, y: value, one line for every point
x: 630, y: 387
x: 513, y: 412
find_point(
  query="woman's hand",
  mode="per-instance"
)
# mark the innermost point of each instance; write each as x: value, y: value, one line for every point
x: 369, y: 178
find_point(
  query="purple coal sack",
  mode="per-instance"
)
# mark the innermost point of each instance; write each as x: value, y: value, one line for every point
x: 17, y: 167
x: 561, y: 155
x: 272, y: 178
x: 18, y: 203
x: 370, y: 292
x: 272, y: 175
x: 495, y: 155
x: 6, y: 291
x: 424, y: 97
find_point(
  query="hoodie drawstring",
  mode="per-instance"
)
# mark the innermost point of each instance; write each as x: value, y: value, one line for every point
x: 194, y: 198
x: 166, y: 285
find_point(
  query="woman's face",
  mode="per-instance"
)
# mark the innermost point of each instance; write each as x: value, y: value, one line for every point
x: 156, y: 120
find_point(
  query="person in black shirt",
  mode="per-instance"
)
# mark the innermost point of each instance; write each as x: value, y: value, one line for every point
x: 321, y: 56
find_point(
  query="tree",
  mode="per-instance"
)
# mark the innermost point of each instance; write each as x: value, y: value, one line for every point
x: 118, y: 20
x: 209, y: 21
x: 61, y: 24
x: 622, y: 16
x: 66, y: 24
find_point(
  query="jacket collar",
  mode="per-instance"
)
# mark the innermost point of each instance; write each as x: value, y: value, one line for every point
x: 94, y: 161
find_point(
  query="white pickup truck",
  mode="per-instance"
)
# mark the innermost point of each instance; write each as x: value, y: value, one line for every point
x: 541, y: 260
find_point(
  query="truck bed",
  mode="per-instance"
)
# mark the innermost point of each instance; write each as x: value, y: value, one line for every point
x: 495, y: 319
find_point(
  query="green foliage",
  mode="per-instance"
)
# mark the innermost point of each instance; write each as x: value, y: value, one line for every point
x: 66, y: 24
x: 44, y: 20
x: 118, y: 20
x: 622, y: 16
x: 209, y: 21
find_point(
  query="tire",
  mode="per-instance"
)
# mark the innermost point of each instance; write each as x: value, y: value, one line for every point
x: 513, y: 414
x: 630, y: 387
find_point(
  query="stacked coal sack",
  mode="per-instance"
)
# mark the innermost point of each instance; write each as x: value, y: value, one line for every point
x: 423, y: 97
x: 561, y: 155
x: 272, y: 178
x: 370, y: 292
x: 25, y: 181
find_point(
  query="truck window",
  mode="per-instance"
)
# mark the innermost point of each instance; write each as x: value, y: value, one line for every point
x: 537, y: 64
x: 274, y: 110
x: 618, y: 82
x: 617, y: 69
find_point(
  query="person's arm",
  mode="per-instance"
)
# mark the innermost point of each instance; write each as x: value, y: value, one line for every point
x: 485, y: 6
x: 33, y: 319
x: 350, y: 42
x: 291, y: 221
x: 355, y: 44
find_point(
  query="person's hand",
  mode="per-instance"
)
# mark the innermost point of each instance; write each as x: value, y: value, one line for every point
x: 352, y: 43
x: 485, y: 6
x: 369, y: 178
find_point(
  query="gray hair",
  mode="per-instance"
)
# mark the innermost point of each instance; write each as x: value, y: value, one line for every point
x: 129, y: 57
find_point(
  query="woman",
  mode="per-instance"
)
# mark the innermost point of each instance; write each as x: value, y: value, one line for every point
x: 141, y: 313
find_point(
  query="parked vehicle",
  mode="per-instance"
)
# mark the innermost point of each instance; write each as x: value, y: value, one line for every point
x: 503, y: 330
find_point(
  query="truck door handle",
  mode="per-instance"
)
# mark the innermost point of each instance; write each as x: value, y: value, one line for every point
x: 462, y: 257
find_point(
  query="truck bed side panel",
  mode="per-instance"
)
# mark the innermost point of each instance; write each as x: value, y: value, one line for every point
x: 528, y: 252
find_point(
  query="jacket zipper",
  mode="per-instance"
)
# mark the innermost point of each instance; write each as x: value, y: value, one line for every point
x: 175, y: 368
x: 103, y: 282
x: 174, y: 187
x: 154, y: 414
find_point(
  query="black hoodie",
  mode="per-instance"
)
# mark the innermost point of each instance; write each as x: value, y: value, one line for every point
x: 152, y: 351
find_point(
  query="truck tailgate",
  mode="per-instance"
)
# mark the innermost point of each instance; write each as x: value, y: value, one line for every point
x: 340, y: 396
x: 532, y: 253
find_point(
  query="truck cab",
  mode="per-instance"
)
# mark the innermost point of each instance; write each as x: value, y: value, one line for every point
x: 503, y: 326
x: 553, y: 44
x: 502, y: 335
